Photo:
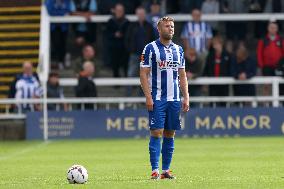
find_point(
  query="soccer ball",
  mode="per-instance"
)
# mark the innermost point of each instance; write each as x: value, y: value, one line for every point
x: 77, y: 174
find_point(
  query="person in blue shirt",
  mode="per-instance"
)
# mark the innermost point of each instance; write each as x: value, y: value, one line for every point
x: 59, y: 31
x: 162, y: 76
x: 85, y: 32
x: 154, y: 16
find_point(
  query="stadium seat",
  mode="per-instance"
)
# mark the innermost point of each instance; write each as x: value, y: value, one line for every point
x: 19, y: 38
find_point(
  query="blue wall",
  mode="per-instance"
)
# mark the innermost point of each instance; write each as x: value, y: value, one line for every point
x: 134, y: 123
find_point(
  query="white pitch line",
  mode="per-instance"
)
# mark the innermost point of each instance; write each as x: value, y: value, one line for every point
x: 24, y: 151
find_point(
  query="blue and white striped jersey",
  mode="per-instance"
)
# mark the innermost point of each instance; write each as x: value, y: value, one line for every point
x: 164, y: 62
x: 197, y: 35
x: 28, y: 87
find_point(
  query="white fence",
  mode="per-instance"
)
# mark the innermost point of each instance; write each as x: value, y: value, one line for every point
x: 121, y: 102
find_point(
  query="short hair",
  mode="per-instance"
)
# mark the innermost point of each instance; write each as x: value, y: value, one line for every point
x: 165, y: 19
x: 53, y: 74
x: 218, y: 39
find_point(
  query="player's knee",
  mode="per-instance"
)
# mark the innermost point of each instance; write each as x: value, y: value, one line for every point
x: 157, y: 133
x: 168, y: 134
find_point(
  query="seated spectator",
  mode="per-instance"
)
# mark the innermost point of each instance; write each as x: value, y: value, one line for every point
x: 116, y: 29
x: 194, y: 68
x: 197, y: 34
x: 55, y: 91
x: 85, y: 32
x: 154, y: 16
x: 211, y: 7
x: 88, y: 54
x: 243, y: 68
x: 59, y: 31
x: 26, y: 86
x: 86, y: 86
x: 138, y: 35
x: 218, y: 64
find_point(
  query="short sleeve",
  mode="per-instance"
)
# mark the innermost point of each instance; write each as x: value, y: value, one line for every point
x: 182, y: 60
x: 145, y: 59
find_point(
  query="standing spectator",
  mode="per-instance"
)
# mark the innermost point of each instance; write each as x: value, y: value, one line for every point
x: 88, y: 54
x: 154, y: 16
x: 59, y: 32
x: 138, y: 35
x: 270, y: 50
x: 116, y: 29
x: 211, y: 7
x: 236, y: 30
x: 55, y: 91
x: 243, y: 68
x: 218, y: 64
x: 197, y: 34
x: 194, y: 68
x: 86, y: 86
x: 85, y: 32
x: 26, y: 86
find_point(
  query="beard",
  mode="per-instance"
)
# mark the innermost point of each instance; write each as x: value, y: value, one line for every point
x: 167, y: 36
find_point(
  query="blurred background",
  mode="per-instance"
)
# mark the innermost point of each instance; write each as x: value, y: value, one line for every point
x: 75, y: 64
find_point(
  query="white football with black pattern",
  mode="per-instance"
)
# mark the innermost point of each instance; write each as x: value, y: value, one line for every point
x: 77, y: 174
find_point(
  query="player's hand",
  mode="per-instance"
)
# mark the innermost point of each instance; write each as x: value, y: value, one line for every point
x: 185, y: 104
x: 149, y: 104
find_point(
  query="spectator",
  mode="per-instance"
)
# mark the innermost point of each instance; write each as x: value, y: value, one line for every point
x: 194, y: 68
x: 138, y: 35
x: 197, y: 34
x: 211, y: 7
x: 154, y: 16
x: 59, y: 32
x: 116, y: 29
x: 218, y: 64
x: 236, y: 30
x: 26, y: 86
x: 244, y: 68
x: 54, y: 91
x: 270, y: 50
x: 85, y: 32
x: 86, y: 86
x: 88, y: 54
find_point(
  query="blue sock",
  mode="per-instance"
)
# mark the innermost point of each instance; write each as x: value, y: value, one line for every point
x: 167, y: 152
x: 154, y: 150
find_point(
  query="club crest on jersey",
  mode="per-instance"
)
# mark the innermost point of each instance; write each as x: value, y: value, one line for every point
x: 165, y: 65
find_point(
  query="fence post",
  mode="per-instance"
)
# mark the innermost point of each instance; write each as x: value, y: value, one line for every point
x: 275, y: 91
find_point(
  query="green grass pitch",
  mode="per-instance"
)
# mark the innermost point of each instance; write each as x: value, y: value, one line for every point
x: 198, y: 163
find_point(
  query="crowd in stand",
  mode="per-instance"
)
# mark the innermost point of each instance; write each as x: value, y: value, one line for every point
x: 210, y: 50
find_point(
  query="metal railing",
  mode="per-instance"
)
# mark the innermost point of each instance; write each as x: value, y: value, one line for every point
x: 121, y: 102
